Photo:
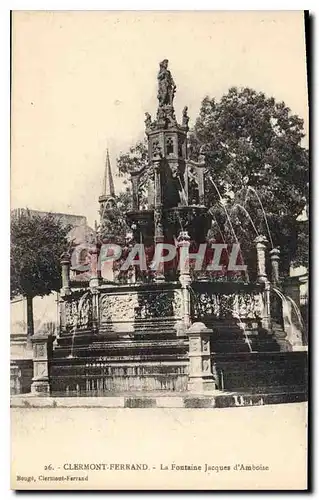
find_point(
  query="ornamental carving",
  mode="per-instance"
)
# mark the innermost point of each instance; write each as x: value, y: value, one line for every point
x: 40, y: 369
x: 205, y: 345
x: 155, y: 305
x: 40, y: 351
x: 178, y: 304
x: 131, y: 306
x: 227, y: 305
x: 205, y: 365
x: 78, y: 312
x: 118, y: 307
x: 71, y: 314
x: 193, y: 345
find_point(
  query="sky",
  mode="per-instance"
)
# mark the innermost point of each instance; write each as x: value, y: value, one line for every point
x: 82, y: 82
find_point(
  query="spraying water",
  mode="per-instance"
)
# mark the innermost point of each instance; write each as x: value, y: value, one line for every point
x: 228, y: 218
x: 297, y: 311
x: 243, y: 329
x: 219, y: 229
x: 263, y: 211
x: 225, y: 209
x: 289, y: 315
x: 183, y: 191
x: 237, y: 205
x: 284, y: 300
x: 241, y: 324
x: 70, y: 356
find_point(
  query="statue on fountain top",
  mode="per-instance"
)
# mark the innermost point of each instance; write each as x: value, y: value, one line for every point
x: 166, y: 85
x: 185, y: 117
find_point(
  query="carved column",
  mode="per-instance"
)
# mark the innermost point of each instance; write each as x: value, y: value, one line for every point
x: 94, y: 283
x: 200, y: 369
x: 261, y: 245
x: 184, y: 275
x: 42, y: 345
x: 275, y: 258
x: 266, y: 319
x: 65, y: 265
x: 158, y: 222
x: 157, y: 183
x: 200, y: 179
x: 276, y: 305
x: 95, y: 309
x: 62, y: 310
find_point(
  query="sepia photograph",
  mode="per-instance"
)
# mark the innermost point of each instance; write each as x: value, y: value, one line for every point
x: 159, y: 250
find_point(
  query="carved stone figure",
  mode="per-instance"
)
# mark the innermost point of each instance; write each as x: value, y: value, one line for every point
x: 166, y: 85
x: 170, y: 115
x: 148, y: 120
x: 185, y: 118
x: 161, y: 117
x: 156, y: 149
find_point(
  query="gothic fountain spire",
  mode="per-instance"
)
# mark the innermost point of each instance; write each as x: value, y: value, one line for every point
x: 108, y: 183
x: 107, y: 198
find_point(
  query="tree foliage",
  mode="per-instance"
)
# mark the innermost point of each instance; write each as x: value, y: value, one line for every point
x: 37, y: 243
x: 114, y: 223
x: 134, y: 160
x: 252, y: 145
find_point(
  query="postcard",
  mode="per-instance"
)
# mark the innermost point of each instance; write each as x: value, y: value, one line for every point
x: 159, y: 250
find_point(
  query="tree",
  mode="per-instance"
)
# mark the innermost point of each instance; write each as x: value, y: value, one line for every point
x: 37, y: 243
x: 135, y: 159
x: 252, y: 147
x: 114, y: 224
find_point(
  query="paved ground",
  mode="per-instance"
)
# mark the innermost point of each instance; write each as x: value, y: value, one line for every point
x: 46, y: 440
x: 213, y: 399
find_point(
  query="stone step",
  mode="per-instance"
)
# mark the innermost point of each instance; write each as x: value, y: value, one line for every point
x: 127, y: 349
x: 65, y: 356
x: 125, y: 376
x: 157, y: 342
x: 132, y: 343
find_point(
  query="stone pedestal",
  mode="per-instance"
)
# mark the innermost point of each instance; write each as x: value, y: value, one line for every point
x: 42, y: 352
x: 201, y: 378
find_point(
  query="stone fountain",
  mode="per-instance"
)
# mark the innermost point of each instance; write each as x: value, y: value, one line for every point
x: 165, y: 329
